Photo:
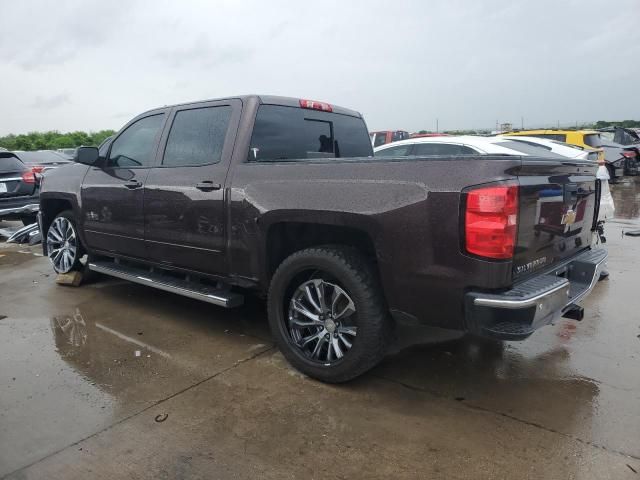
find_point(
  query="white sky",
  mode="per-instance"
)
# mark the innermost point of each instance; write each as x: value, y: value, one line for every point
x: 90, y: 65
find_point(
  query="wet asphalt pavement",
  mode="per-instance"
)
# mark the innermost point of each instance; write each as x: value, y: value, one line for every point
x: 116, y: 380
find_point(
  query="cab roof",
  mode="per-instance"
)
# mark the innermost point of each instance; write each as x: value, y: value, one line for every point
x: 266, y: 100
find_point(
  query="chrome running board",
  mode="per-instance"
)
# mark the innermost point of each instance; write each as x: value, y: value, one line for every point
x: 186, y: 288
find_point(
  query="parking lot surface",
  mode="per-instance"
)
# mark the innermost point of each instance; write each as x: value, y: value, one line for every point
x: 116, y: 380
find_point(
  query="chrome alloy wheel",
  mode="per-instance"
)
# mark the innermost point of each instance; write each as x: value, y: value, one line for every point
x: 62, y: 245
x: 322, y: 321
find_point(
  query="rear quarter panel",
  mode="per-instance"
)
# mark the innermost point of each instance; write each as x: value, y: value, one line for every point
x: 409, y: 209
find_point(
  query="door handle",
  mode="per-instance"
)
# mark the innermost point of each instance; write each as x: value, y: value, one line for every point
x: 132, y: 184
x: 208, y: 185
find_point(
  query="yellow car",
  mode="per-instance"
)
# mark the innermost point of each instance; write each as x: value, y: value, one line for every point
x: 585, y: 139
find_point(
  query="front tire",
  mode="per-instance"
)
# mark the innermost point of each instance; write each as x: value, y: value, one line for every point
x: 63, y: 244
x: 327, y: 313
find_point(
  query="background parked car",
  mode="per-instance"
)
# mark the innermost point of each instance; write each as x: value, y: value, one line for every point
x: 621, y: 135
x: 561, y: 148
x: 41, y: 160
x: 462, y: 145
x: 586, y: 139
x: 19, y: 189
x: 420, y: 135
x: 620, y: 160
x: 628, y: 138
x: 69, y: 152
x: 387, y: 136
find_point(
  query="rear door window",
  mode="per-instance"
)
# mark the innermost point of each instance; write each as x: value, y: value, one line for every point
x: 197, y: 136
x: 398, y: 151
x: 290, y: 133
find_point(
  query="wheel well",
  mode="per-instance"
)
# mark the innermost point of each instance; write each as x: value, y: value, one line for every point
x: 283, y: 239
x: 51, y: 208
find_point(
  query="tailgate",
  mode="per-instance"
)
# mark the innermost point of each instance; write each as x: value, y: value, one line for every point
x: 11, y: 185
x: 557, y: 207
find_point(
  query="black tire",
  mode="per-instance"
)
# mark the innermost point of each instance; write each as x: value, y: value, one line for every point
x: 29, y: 219
x: 76, y: 264
x: 349, y: 269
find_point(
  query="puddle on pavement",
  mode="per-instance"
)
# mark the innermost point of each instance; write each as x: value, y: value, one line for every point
x: 121, y: 350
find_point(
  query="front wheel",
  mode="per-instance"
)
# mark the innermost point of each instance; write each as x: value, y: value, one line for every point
x: 63, y: 244
x: 327, y: 313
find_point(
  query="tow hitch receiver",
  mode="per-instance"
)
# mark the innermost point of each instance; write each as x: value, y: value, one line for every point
x: 575, y: 312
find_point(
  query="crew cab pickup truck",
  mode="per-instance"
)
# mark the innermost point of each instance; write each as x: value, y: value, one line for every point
x: 283, y: 198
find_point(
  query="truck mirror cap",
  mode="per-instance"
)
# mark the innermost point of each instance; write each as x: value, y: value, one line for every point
x: 87, y: 155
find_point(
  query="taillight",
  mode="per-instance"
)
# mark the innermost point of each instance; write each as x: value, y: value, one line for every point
x: 628, y: 153
x: 313, y: 105
x: 29, y: 177
x: 491, y: 221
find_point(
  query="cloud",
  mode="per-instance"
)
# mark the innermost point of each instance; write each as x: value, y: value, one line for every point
x: 43, y: 39
x: 49, y: 103
x: 201, y: 54
x: 465, y: 63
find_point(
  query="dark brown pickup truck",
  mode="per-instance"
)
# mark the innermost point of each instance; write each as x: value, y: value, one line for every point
x: 283, y: 197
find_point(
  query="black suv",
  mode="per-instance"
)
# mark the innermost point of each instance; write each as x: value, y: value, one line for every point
x: 19, y: 189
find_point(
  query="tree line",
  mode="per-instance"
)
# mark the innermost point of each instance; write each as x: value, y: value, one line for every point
x: 53, y: 140
x: 586, y: 126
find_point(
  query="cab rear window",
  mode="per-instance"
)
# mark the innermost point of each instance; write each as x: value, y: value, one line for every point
x: 290, y: 133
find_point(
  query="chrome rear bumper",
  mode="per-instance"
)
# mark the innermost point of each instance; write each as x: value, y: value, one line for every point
x: 537, y: 301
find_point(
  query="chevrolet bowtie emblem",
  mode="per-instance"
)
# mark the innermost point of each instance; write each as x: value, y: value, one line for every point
x: 569, y: 218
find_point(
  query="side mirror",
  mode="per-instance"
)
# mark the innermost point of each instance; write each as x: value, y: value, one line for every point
x: 87, y: 155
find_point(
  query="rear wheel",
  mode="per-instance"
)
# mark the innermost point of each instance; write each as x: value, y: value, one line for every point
x: 327, y: 313
x: 63, y: 244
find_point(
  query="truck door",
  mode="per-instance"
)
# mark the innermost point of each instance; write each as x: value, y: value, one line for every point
x: 112, y: 192
x: 184, y: 207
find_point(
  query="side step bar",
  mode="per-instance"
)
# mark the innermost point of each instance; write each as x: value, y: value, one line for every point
x: 182, y: 287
